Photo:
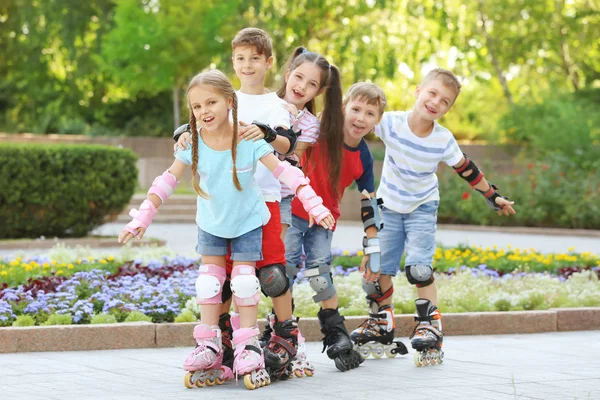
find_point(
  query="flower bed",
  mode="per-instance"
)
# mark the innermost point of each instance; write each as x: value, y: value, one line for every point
x: 163, y: 291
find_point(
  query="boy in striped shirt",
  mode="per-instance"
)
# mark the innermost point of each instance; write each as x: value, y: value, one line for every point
x: 415, y: 144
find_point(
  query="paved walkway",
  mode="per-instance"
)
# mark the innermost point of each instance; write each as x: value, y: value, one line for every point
x: 536, y: 366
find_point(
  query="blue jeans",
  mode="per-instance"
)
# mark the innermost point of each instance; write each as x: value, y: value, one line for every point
x: 315, y: 240
x: 414, y: 232
x: 247, y: 247
x: 285, y: 210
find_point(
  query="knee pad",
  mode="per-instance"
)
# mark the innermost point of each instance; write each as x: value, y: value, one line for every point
x: 420, y: 274
x: 209, y: 285
x: 245, y: 285
x: 273, y: 280
x: 291, y: 271
x: 321, y: 281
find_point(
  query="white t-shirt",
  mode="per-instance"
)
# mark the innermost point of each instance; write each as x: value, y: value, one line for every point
x: 268, y: 109
x: 408, y: 178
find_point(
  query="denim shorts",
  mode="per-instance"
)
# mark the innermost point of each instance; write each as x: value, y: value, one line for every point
x: 413, y: 232
x: 316, y: 242
x: 285, y: 209
x: 247, y: 247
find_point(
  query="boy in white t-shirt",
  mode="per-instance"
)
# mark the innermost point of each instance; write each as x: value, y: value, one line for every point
x: 415, y: 144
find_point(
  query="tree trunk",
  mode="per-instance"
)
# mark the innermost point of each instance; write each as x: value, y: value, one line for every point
x: 176, y: 122
x: 489, y: 42
x: 567, y: 63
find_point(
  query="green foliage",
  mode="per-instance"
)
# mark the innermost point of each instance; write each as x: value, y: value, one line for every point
x: 186, y: 315
x: 563, y: 128
x: 62, y: 190
x: 24, y: 320
x: 59, y: 319
x: 137, y: 316
x: 103, y: 319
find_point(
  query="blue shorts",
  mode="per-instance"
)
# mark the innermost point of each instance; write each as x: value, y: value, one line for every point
x: 414, y: 232
x: 285, y: 210
x: 247, y: 247
x: 315, y: 240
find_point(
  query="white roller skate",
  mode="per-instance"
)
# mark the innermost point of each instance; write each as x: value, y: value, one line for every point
x: 427, y: 337
x: 249, y: 361
x: 301, y: 366
x: 204, y: 363
x: 375, y: 336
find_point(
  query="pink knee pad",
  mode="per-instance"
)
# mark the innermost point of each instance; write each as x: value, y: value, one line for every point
x: 245, y: 285
x: 209, y: 285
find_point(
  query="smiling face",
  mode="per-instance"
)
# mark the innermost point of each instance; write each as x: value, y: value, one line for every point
x: 250, y: 66
x: 302, y: 84
x: 360, y: 118
x: 434, y: 99
x: 210, y: 108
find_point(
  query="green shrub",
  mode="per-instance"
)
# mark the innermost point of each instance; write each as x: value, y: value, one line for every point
x: 24, y: 320
x: 103, y: 319
x: 137, y: 316
x: 186, y: 316
x: 59, y: 319
x: 62, y: 190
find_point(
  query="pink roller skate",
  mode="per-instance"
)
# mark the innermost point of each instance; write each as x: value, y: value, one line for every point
x: 204, y: 363
x: 301, y: 366
x: 249, y: 360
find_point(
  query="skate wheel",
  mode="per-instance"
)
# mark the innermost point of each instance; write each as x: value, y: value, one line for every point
x: 364, y: 350
x: 308, y: 372
x: 418, y: 359
x: 208, y: 382
x: 440, y: 357
x: 298, y: 373
x: 390, y: 354
x: 187, y: 381
x: 248, y: 382
x: 200, y: 384
x: 219, y: 381
x: 377, y: 352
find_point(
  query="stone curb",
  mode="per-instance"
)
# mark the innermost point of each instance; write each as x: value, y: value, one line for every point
x: 148, y: 335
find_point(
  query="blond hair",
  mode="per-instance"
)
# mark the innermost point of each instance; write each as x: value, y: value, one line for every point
x: 256, y: 38
x: 367, y: 92
x: 218, y: 81
x: 447, y: 78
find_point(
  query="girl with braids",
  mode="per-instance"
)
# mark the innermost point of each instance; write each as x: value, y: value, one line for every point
x: 231, y: 212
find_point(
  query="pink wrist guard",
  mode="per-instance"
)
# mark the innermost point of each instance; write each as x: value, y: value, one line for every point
x: 164, y: 185
x: 290, y: 176
x: 142, y: 217
x: 312, y: 203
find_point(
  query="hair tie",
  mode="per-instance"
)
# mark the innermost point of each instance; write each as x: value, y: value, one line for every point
x: 330, y: 67
x: 304, y: 50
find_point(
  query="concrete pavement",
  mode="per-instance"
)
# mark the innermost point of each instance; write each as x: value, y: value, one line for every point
x: 536, y: 366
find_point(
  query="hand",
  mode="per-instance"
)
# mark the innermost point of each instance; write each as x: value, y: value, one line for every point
x: 328, y: 222
x: 125, y: 236
x: 182, y: 142
x: 250, y: 132
x: 506, y: 206
x: 367, y: 273
x: 291, y: 109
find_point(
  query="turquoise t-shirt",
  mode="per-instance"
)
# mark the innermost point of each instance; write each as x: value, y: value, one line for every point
x: 229, y: 213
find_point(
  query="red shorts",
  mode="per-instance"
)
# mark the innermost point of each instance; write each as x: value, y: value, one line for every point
x: 273, y: 249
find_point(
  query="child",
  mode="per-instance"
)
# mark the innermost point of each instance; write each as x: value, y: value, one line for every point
x: 356, y: 165
x: 252, y: 58
x: 415, y: 144
x: 308, y: 75
x: 231, y: 212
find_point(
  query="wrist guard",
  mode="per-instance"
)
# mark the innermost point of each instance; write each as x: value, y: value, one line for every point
x: 290, y: 135
x: 370, y: 212
x: 312, y: 203
x: 371, y: 247
x: 179, y: 131
x: 469, y: 172
x: 491, y: 195
x: 270, y: 133
x: 141, y: 218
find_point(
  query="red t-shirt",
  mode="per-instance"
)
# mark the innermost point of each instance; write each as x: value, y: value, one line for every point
x: 357, y: 165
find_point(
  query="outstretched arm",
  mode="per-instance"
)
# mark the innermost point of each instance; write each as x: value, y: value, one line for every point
x: 162, y: 187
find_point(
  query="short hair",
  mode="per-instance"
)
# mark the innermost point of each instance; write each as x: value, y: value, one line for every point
x: 256, y: 38
x: 367, y: 92
x: 447, y: 77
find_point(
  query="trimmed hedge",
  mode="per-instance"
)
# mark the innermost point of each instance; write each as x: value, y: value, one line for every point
x: 62, y: 190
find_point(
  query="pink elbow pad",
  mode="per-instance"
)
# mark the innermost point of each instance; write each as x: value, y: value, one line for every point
x: 142, y: 217
x: 312, y: 203
x: 164, y: 185
x: 290, y: 176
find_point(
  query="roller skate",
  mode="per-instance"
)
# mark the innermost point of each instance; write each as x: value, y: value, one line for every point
x: 204, y: 364
x: 268, y: 331
x: 300, y: 365
x: 248, y: 358
x: 281, y: 349
x: 427, y: 337
x: 336, y: 340
x: 226, y: 336
x: 375, y: 336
